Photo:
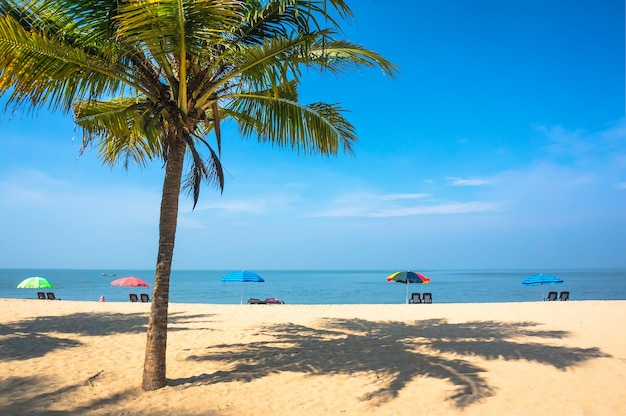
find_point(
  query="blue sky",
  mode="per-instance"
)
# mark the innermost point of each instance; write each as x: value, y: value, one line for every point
x: 500, y: 144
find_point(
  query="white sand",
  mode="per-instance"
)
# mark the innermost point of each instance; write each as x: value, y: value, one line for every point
x: 534, y: 358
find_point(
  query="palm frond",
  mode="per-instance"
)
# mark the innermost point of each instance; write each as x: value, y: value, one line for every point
x: 178, y: 68
x: 35, y: 69
x: 280, y: 18
x: 124, y: 130
x: 208, y: 170
x: 341, y: 56
x: 256, y: 67
x: 166, y: 25
x: 314, y: 128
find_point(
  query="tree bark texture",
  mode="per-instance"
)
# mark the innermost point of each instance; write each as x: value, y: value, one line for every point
x: 156, y: 344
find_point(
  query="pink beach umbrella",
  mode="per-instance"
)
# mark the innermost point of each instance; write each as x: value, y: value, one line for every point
x: 130, y: 281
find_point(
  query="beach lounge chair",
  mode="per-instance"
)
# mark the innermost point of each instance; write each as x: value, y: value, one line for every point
x: 145, y: 297
x: 51, y: 296
x: 564, y: 295
x: 427, y: 297
x: 415, y: 298
x: 273, y: 301
x: 255, y: 301
x: 551, y: 296
x: 41, y: 295
x: 133, y: 297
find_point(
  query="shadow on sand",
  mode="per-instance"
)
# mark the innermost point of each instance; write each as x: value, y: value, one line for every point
x: 408, y: 350
x: 37, y: 337
x: 29, y: 396
x: 32, y: 338
x: 396, y: 352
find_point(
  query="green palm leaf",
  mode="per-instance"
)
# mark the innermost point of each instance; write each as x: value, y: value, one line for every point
x: 127, y: 129
x: 154, y: 79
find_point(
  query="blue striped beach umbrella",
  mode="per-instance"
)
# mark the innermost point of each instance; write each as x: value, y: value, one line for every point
x: 242, y: 276
x: 542, y: 279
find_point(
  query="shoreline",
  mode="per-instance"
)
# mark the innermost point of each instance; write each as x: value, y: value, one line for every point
x: 332, y: 287
x: 372, y: 359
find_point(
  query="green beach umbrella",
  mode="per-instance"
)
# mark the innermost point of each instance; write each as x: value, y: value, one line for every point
x: 35, y: 282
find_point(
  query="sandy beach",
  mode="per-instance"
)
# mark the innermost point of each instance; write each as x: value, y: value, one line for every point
x: 532, y: 358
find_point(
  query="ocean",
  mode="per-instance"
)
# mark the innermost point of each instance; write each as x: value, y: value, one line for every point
x: 324, y: 286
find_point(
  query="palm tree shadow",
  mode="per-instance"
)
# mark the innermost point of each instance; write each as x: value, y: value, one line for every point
x: 36, y: 337
x: 32, y: 396
x: 31, y: 338
x: 396, y: 352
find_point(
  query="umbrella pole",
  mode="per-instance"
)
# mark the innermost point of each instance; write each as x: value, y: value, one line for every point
x: 241, y: 298
x: 407, y: 292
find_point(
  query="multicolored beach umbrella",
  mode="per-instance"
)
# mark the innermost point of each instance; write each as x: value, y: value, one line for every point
x: 407, y: 278
x: 242, y: 276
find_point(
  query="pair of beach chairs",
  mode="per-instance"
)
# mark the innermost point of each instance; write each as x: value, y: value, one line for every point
x: 552, y: 296
x: 267, y: 301
x: 427, y: 297
x: 48, y: 295
x: 144, y: 297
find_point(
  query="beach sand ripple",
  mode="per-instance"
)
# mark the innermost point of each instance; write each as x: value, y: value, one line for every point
x: 472, y: 359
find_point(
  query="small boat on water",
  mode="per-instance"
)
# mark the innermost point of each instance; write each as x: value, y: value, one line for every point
x: 109, y: 274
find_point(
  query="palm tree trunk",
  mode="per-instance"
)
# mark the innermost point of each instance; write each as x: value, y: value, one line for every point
x: 156, y: 344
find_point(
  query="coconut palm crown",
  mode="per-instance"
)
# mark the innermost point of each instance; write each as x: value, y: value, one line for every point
x: 155, y: 79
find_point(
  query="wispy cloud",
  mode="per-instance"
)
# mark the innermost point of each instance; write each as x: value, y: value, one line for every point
x: 29, y: 187
x: 252, y: 205
x: 438, y: 209
x: 366, y: 205
x: 392, y: 197
x: 582, y: 147
x: 467, y: 182
x: 32, y: 192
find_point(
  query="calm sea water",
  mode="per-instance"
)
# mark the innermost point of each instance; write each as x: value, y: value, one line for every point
x: 324, y: 287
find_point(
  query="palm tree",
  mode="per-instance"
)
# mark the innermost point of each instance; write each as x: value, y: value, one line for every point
x: 150, y: 80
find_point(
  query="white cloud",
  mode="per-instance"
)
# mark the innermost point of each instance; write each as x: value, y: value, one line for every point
x: 28, y: 188
x: 467, y: 182
x: 251, y: 205
x: 391, y: 197
x: 580, y: 147
x: 36, y: 194
x: 367, y: 205
x: 438, y: 209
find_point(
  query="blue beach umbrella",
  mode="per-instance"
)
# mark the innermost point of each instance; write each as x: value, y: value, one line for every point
x: 542, y: 279
x: 242, y: 276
